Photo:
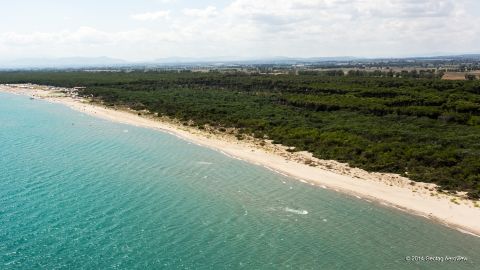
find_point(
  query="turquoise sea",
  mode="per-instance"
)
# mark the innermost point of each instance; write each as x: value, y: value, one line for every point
x: 78, y: 192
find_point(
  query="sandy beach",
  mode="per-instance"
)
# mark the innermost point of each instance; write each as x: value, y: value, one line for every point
x: 388, y: 189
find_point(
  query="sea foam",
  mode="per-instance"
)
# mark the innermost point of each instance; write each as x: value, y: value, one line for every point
x: 296, y: 211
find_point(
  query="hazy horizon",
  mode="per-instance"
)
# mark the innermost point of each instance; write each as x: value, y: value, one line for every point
x: 153, y: 29
x: 179, y: 59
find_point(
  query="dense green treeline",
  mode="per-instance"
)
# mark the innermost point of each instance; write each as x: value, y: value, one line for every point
x: 424, y: 73
x: 426, y: 128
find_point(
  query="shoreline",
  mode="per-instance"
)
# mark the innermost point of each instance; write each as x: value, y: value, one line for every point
x: 388, y: 189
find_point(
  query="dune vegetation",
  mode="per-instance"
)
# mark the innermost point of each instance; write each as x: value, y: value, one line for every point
x: 416, y: 126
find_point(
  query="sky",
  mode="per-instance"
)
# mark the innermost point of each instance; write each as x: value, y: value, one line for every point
x: 139, y: 30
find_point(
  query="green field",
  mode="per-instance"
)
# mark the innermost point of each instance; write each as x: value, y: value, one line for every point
x: 425, y: 128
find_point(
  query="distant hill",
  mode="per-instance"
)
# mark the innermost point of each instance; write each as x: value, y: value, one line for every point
x: 107, y: 62
x: 244, y: 60
x: 67, y: 62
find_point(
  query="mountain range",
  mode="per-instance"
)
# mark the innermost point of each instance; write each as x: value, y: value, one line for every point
x: 99, y: 62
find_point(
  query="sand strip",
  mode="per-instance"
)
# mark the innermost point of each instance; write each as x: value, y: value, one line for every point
x: 389, y: 189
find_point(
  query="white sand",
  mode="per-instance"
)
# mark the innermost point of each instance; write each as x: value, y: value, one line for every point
x: 389, y: 189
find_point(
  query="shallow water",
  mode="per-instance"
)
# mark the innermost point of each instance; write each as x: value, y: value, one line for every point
x: 78, y: 192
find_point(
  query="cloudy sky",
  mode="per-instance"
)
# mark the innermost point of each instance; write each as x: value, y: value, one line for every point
x: 150, y: 29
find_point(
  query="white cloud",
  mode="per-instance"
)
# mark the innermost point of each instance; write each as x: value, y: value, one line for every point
x: 275, y: 27
x: 204, y: 13
x: 407, y: 8
x: 151, y: 16
x: 86, y: 36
